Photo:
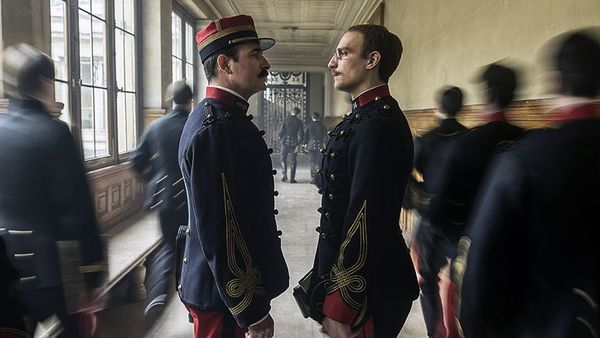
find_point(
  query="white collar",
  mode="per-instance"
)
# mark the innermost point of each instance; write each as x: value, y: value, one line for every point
x: 229, y: 91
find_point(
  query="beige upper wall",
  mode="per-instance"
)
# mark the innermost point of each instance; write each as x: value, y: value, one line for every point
x: 446, y: 42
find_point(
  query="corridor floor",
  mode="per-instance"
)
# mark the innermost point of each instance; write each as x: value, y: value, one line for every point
x: 298, y: 218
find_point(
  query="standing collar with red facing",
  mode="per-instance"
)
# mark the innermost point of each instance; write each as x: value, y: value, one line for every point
x: 227, y: 96
x: 583, y: 111
x: 371, y: 94
x: 497, y: 116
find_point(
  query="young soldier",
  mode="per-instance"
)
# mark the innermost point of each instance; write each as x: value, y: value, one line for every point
x: 362, y: 262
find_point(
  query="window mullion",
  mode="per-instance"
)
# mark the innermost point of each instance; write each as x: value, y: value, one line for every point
x: 111, y: 81
x: 74, y: 71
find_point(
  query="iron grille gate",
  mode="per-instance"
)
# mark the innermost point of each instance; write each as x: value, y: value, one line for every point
x: 285, y: 91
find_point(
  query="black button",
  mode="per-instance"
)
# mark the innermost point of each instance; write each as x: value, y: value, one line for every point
x: 276, y: 212
x: 320, y: 210
x: 323, y: 235
x: 318, y: 229
x: 275, y: 193
x: 323, y: 150
x: 274, y: 172
x: 318, y: 171
x: 250, y: 116
x: 327, y: 214
x: 320, y: 191
x: 262, y: 132
x: 279, y: 233
x: 332, y: 155
x: 331, y: 196
x: 332, y: 176
x: 270, y: 150
x: 342, y: 132
x: 330, y: 133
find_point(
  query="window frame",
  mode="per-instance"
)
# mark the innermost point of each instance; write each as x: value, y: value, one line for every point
x: 75, y: 84
x: 186, y: 18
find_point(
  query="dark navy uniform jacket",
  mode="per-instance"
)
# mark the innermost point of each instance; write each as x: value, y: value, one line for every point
x: 233, y: 258
x: 361, y: 252
x: 462, y: 170
x: 45, y: 198
x: 291, y: 132
x: 157, y: 153
x: 429, y: 154
x: 530, y: 264
x: 315, y: 136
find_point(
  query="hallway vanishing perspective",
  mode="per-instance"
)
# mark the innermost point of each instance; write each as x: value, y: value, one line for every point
x: 298, y: 218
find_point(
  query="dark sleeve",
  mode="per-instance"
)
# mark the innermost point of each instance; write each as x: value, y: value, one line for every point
x: 307, y: 134
x: 300, y: 132
x: 283, y: 129
x: 487, y: 267
x: 223, y: 239
x: 141, y: 159
x: 373, y: 198
x: 72, y: 205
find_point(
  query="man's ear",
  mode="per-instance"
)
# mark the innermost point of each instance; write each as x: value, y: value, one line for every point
x: 223, y: 64
x: 373, y: 59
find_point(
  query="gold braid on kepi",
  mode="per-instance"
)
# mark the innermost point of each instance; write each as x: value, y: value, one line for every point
x: 247, y: 281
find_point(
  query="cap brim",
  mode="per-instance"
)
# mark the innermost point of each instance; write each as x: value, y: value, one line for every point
x: 266, y: 43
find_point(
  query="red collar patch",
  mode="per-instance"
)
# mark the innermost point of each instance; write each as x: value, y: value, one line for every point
x: 371, y: 95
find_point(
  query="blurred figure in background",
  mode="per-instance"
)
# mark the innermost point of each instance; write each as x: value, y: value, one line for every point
x: 314, y: 138
x: 155, y: 160
x: 46, y: 210
x: 430, y: 249
x: 290, y: 136
x: 529, y: 265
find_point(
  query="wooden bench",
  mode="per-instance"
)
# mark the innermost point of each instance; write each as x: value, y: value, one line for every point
x: 128, y: 245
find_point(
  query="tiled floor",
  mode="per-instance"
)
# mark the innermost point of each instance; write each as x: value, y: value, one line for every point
x: 297, y: 204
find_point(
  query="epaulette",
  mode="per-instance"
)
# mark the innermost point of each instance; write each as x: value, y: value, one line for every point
x: 210, y: 116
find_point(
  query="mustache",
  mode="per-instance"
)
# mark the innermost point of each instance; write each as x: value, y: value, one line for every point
x: 264, y: 73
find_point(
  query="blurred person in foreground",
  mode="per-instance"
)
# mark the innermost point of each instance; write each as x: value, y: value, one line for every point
x: 529, y: 264
x: 430, y: 247
x: 363, y: 281
x: 314, y: 138
x: 14, y: 320
x: 155, y: 160
x: 46, y: 210
x: 233, y: 265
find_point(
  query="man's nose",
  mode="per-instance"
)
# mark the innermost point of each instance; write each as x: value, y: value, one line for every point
x: 332, y: 62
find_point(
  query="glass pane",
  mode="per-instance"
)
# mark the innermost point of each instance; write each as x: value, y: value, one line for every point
x: 120, y: 58
x: 121, y: 122
x: 98, y: 50
x: 189, y: 74
x: 85, y: 5
x: 129, y: 15
x: 177, y: 71
x: 119, y: 13
x: 58, y: 41
x: 100, y: 122
x: 130, y: 62
x: 61, y: 94
x: 176, y: 32
x: 131, y: 122
x: 189, y: 43
x: 85, y: 48
x: 87, y: 122
x: 98, y: 8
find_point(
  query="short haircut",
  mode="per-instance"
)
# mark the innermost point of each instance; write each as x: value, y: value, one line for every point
x: 180, y: 92
x: 210, y: 64
x: 451, y: 100
x: 24, y: 68
x: 378, y: 38
x: 578, y: 63
x: 315, y: 115
x: 501, y: 84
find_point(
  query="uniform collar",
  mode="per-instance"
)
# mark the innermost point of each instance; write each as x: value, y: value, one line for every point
x: 589, y: 110
x: 227, y: 96
x: 496, y: 117
x: 372, y: 94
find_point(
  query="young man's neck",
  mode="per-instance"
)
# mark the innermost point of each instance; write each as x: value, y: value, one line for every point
x: 223, y: 84
x: 365, y: 86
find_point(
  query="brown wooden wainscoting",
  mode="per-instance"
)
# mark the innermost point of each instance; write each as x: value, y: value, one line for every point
x: 527, y: 114
x: 117, y: 194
